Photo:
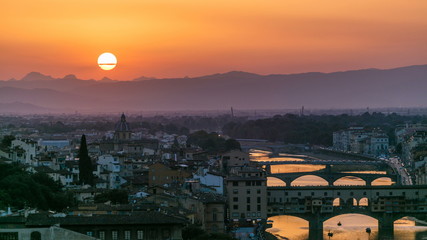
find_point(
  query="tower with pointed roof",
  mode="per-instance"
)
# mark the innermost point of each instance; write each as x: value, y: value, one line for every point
x: 122, y: 130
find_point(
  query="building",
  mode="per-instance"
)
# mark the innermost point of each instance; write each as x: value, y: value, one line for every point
x: 210, y: 179
x: 159, y: 174
x: 122, y: 130
x: 25, y: 151
x: 109, y: 170
x: 139, y: 226
x: 43, y: 233
x: 361, y: 141
x: 410, y: 142
x: 234, y: 158
x: 421, y: 172
x: 247, y: 194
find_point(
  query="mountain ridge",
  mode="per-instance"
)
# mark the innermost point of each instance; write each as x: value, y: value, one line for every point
x: 397, y: 87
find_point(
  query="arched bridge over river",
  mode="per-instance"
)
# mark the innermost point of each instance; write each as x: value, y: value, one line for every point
x: 316, y: 204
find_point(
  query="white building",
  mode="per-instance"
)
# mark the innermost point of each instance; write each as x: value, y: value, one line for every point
x: 24, y: 151
x: 108, y: 169
x: 361, y: 141
x: 213, y: 180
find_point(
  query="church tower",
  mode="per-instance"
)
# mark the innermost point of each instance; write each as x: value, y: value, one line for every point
x: 122, y: 130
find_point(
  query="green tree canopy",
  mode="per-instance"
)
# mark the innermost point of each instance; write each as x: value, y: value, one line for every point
x: 6, y: 142
x: 20, y: 189
x: 212, y: 142
x: 85, y: 163
x: 115, y: 196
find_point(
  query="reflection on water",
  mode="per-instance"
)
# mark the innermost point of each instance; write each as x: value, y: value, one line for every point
x: 310, y: 180
x: 353, y: 226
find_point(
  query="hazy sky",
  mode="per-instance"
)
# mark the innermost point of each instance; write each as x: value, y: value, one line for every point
x: 176, y: 38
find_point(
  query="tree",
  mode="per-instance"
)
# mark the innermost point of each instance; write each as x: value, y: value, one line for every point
x: 85, y: 163
x: 20, y: 189
x: 232, y: 144
x: 115, y: 196
x: 6, y: 142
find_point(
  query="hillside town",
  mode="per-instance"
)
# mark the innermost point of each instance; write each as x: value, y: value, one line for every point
x: 167, y: 185
x: 132, y: 183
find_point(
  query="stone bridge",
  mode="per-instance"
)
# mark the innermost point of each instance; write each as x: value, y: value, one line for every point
x: 318, y: 204
x: 331, y: 177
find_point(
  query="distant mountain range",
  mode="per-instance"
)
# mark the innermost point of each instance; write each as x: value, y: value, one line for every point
x: 398, y: 87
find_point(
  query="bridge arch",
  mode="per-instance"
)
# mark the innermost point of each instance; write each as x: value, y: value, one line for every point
x: 297, y: 230
x: 337, y: 222
x: 275, y: 182
x: 305, y: 180
x: 350, y: 180
x: 364, y: 202
x: 382, y: 181
x: 338, y: 202
x: 351, y: 202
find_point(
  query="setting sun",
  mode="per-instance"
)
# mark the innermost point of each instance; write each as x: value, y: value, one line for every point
x: 107, y: 61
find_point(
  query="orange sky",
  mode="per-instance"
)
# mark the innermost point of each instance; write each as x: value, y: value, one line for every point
x: 176, y: 38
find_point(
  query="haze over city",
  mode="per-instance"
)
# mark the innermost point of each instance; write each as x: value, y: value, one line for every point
x: 213, y: 120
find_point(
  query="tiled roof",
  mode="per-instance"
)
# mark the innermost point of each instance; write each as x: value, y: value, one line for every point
x: 141, y: 218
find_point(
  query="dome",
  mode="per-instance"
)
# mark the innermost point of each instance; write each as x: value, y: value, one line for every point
x: 122, y: 125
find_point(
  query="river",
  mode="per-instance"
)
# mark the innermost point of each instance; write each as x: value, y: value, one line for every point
x: 352, y: 226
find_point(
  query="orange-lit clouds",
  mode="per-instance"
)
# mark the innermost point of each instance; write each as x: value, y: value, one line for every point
x: 174, y: 38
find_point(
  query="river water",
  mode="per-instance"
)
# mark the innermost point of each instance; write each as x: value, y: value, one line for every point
x: 352, y: 227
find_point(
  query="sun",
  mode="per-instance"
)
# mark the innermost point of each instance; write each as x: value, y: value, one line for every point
x: 107, y: 61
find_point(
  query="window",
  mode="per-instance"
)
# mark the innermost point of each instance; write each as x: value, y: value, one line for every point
x: 127, y: 235
x: 248, y: 191
x: 235, y: 183
x: 166, y: 233
x: 114, y: 235
x: 235, y: 207
x: 258, y: 191
x: 235, y: 199
x: 214, y: 215
x: 139, y: 235
x: 258, y: 199
x: 299, y: 193
x: 258, y: 207
x: 89, y: 233
x: 248, y: 200
x: 152, y: 234
x: 34, y: 236
x: 248, y: 207
x: 235, y: 191
x: 325, y: 194
x: 102, y: 235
